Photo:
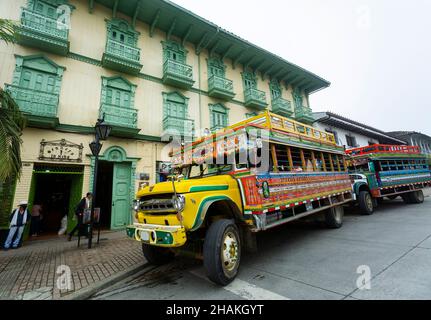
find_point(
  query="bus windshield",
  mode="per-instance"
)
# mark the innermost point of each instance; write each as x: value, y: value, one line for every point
x: 204, y: 170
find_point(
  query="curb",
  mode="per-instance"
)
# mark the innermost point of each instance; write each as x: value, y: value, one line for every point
x: 86, y: 293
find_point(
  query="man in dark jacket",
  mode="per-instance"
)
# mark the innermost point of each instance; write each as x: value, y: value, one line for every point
x: 18, y: 219
x: 84, y: 204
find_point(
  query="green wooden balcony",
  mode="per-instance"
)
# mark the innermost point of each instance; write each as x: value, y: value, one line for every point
x: 121, y: 57
x: 177, y: 74
x: 124, y: 121
x: 282, y: 107
x: 39, y: 107
x: 177, y: 126
x: 255, y: 99
x: 43, y: 33
x: 219, y: 87
x: 304, y: 114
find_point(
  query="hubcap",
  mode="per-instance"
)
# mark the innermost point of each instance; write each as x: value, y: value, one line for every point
x: 420, y: 196
x: 229, y: 251
x: 369, y: 201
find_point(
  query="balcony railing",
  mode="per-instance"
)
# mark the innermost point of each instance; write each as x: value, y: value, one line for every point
x: 282, y: 107
x: 220, y: 87
x: 123, y: 51
x: 119, y: 116
x: 176, y: 125
x: 177, y: 74
x: 37, y: 103
x: 255, y: 98
x: 39, y: 23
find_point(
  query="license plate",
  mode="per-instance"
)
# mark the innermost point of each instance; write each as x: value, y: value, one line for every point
x: 145, y: 236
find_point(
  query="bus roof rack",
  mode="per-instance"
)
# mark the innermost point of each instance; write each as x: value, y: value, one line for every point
x: 383, y: 148
x: 286, y: 125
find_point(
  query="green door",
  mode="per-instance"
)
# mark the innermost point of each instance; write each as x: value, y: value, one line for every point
x: 121, y: 202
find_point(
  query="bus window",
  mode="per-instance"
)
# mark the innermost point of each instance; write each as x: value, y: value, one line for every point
x: 282, y: 158
x: 309, y: 166
x: 341, y: 162
x: 335, y: 162
x: 328, y: 163
x: 296, y: 159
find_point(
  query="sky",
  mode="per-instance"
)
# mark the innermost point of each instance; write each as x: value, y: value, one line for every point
x: 375, y: 53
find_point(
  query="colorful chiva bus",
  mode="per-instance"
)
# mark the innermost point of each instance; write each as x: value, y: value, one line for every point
x: 255, y: 175
x: 380, y: 171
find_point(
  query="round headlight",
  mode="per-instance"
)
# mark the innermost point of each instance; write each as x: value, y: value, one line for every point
x: 179, y: 202
x: 136, y: 204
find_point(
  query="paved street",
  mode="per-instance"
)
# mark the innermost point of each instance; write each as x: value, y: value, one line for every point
x: 306, y: 261
x: 33, y: 271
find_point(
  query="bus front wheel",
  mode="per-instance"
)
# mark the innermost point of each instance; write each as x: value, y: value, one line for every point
x: 222, y: 252
x: 366, y: 203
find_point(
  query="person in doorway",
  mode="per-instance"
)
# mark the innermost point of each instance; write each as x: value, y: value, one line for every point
x: 84, y: 205
x: 36, y: 215
x: 18, y: 220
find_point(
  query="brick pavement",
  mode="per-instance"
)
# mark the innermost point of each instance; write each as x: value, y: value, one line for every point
x: 31, y: 272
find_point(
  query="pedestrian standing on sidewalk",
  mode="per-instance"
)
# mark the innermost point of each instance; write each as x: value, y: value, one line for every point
x: 18, y: 220
x: 36, y: 212
x: 83, y: 205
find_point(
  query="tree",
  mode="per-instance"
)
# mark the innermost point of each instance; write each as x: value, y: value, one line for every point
x: 12, y: 121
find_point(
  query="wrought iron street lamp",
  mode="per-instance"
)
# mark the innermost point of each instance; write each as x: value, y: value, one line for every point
x: 102, y: 131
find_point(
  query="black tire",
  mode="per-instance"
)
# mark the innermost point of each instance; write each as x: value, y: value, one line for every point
x: 218, y: 269
x: 366, y: 203
x: 334, y: 217
x: 416, y: 196
x: 157, y: 255
x: 406, y: 198
x: 393, y: 197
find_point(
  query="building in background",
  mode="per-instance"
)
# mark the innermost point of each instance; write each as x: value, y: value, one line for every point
x: 413, y: 138
x: 350, y: 133
x: 152, y: 69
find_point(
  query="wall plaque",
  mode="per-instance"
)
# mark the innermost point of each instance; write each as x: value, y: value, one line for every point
x: 60, y: 150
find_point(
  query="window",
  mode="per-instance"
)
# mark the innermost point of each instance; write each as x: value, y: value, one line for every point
x: 121, y: 31
x: 249, y: 80
x: 351, y: 141
x: 328, y: 163
x: 118, y: 92
x: 296, y: 159
x: 175, y: 105
x: 218, y: 116
x: 282, y: 155
x: 308, y: 158
x: 216, y: 67
x: 174, y: 51
x: 335, y: 133
x: 275, y: 89
x: 336, y: 162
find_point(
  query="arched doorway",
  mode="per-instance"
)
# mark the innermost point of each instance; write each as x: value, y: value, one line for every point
x: 115, y: 187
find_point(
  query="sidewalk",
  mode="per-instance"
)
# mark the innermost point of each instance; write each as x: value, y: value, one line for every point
x: 30, y: 272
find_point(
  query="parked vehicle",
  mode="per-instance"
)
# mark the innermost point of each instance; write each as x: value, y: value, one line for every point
x: 379, y: 171
x: 216, y: 209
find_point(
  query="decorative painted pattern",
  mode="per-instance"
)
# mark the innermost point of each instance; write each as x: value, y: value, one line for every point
x: 290, y: 189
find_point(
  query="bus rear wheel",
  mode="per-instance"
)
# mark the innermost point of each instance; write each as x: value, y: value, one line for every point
x: 366, y: 203
x: 334, y: 217
x: 416, y: 196
x: 157, y: 255
x: 222, y: 252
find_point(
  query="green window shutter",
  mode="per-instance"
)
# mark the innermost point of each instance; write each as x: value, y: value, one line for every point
x: 218, y: 116
x: 275, y: 89
x: 175, y: 105
x: 216, y: 67
x: 118, y: 92
x: 174, y: 51
x: 249, y: 80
